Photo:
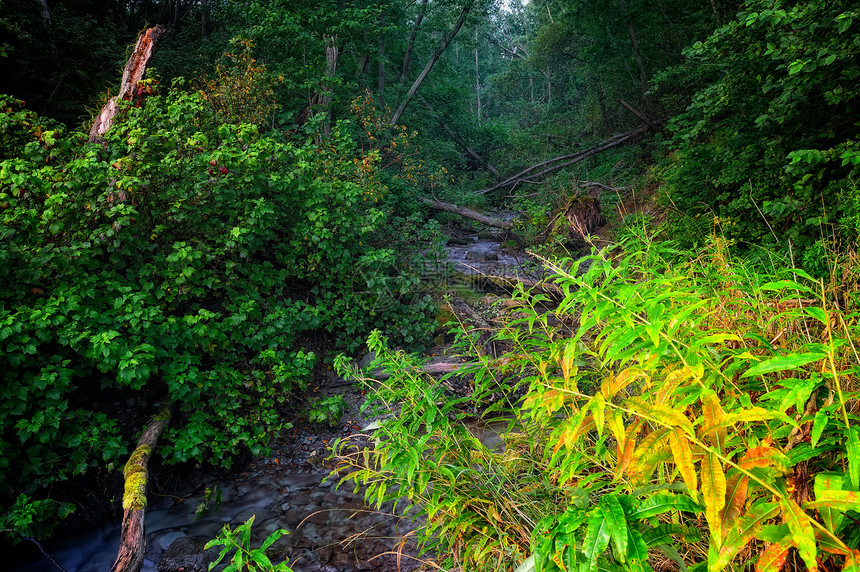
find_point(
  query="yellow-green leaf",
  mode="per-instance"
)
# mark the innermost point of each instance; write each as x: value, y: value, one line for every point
x: 802, y: 532
x: 828, y: 483
x: 713, y: 494
x: 611, y: 385
x: 649, y: 452
x: 598, y: 407
x: 744, y: 530
x: 683, y: 456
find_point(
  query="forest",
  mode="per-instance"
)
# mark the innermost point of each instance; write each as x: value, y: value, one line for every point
x: 211, y: 207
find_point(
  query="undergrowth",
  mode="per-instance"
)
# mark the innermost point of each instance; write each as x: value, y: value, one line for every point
x: 677, y: 410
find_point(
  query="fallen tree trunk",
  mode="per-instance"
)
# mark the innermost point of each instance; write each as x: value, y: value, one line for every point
x: 135, y: 68
x: 557, y: 163
x: 468, y: 213
x: 133, y: 541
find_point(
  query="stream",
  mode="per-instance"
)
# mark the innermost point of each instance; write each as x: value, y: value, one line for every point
x: 331, y: 529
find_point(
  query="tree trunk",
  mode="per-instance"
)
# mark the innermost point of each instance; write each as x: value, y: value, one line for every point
x: 637, y: 56
x: 133, y: 540
x: 380, y: 84
x: 556, y: 163
x: 477, y: 78
x: 715, y: 11
x: 459, y: 140
x: 135, y: 68
x: 46, y: 14
x: 204, y: 19
x: 332, y: 57
x: 395, y: 119
x: 464, y: 212
x: 404, y: 74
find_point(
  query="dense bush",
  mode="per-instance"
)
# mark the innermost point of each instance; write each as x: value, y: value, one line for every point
x: 768, y: 147
x: 179, y: 261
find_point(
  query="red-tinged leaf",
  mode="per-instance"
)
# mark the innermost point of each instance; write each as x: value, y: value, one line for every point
x: 648, y: 453
x: 683, y: 456
x: 772, y: 559
x: 827, y: 543
x: 713, y: 431
x: 567, y: 435
x: 611, y: 385
x: 802, y: 532
x: 743, y: 530
x: 736, y: 498
x: 713, y: 494
x: 761, y: 456
x: 629, y: 448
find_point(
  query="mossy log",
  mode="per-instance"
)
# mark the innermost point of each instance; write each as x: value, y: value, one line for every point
x: 133, y: 541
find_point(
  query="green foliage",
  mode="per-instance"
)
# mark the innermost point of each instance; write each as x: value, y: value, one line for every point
x: 180, y: 261
x: 246, y: 559
x: 769, y: 142
x: 667, y: 385
x: 328, y: 410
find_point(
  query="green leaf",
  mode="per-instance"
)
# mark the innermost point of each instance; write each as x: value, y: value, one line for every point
x: 658, y: 504
x: 259, y: 556
x: 596, y: 539
x: 852, y: 449
x: 818, y: 426
x: 783, y: 363
x: 637, y: 555
x: 615, y: 519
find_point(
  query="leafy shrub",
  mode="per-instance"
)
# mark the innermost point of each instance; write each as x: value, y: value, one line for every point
x: 181, y: 261
x: 245, y: 558
x: 766, y: 143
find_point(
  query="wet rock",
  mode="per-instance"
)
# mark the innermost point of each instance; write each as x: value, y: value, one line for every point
x: 481, y: 256
x: 167, y: 539
x: 187, y: 555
